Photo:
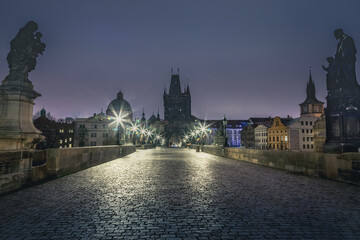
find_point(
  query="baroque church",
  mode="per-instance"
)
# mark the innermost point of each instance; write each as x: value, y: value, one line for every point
x: 177, y: 111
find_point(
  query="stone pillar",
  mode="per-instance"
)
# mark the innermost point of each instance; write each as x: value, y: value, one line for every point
x: 17, y: 131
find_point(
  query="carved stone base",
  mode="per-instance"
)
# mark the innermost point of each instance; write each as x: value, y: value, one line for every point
x: 17, y: 131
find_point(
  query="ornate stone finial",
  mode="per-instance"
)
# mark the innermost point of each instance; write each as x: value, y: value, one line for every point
x: 24, y: 49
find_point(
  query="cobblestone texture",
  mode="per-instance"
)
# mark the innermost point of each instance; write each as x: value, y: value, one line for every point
x: 181, y: 194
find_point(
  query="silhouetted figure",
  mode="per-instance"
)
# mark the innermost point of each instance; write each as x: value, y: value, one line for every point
x: 331, y: 77
x: 345, y: 59
x: 25, y: 48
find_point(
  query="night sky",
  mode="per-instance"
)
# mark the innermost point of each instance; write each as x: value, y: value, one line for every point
x: 241, y: 58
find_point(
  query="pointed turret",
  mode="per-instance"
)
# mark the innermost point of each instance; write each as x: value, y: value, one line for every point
x: 187, y: 89
x: 143, y: 119
x: 311, y: 92
x: 175, y: 85
x: 311, y: 105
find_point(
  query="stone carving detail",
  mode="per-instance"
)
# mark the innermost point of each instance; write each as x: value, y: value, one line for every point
x: 25, y: 48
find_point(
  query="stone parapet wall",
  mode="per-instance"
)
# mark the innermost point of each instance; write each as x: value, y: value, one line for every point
x: 340, y: 167
x: 62, y: 161
x: 19, y: 169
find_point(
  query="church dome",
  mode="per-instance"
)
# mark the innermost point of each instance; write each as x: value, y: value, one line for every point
x: 119, y: 105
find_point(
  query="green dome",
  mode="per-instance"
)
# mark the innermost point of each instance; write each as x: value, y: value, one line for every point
x: 118, y: 105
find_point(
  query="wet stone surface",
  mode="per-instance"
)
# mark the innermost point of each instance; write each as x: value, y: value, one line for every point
x: 181, y: 194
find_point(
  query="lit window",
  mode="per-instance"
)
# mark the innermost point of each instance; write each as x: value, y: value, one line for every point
x: 286, y: 138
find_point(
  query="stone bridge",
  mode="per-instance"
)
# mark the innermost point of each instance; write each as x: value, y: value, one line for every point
x: 182, y: 194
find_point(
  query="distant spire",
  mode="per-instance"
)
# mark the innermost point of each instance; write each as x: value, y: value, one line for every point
x: 158, y: 115
x: 178, y: 71
x: 164, y: 89
x: 310, y: 91
x: 143, y: 119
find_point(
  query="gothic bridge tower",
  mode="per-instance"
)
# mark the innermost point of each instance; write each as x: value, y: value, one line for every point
x: 177, y: 111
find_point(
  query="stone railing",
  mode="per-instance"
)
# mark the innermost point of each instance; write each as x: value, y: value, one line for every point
x: 19, y: 169
x: 341, y: 167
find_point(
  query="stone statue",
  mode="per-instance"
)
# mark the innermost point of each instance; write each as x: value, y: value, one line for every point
x: 342, y: 113
x: 331, y: 77
x: 345, y: 60
x: 24, y: 49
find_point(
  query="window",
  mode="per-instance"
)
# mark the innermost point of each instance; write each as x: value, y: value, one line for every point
x: 302, y: 130
x: 310, y: 130
x: 307, y: 130
x: 60, y: 141
x: 81, y: 125
x: 71, y: 131
x: 93, y: 135
x: 302, y: 122
x: 303, y: 139
x: 303, y: 146
x: 306, y: 123
x: 286, y: 138
x: 277, y: 138
x: 307, y: 139
x: 70, y: 146
x: 307, y: 146
x: 69, y: 139
x: 311, y: 123
x: 104, y: 125
x: 277, y: 123
x: 282, y: 138
x: 312, y: 146
x: 312, y: 139
x: 65, y: 140
x: 273, y: 139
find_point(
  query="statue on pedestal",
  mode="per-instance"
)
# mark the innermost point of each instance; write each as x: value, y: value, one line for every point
x: 343, y: 99
x: 17, y: 130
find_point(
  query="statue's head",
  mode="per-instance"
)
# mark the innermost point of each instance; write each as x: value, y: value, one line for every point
x: 330, y: 60
x: 32, y: 26
x: 338, y: 33
x: 38, y: 35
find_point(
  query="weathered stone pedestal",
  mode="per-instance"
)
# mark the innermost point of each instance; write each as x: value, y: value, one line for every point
x: 17, y: 131
x: 343, y: 121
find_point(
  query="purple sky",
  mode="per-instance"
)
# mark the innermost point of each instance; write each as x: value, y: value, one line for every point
x: 242, y: 58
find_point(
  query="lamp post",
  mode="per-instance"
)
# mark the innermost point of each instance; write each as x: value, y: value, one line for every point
x: 118, y: 121
x: 224, y: 125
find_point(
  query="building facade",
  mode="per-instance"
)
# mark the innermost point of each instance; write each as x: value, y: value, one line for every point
x: 278, y: 135
x: 261, y: 137
x: 105, y: 129
x: 58, y: 134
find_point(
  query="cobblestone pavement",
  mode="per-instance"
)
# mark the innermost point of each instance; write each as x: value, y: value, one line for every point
x: 181, y: 194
